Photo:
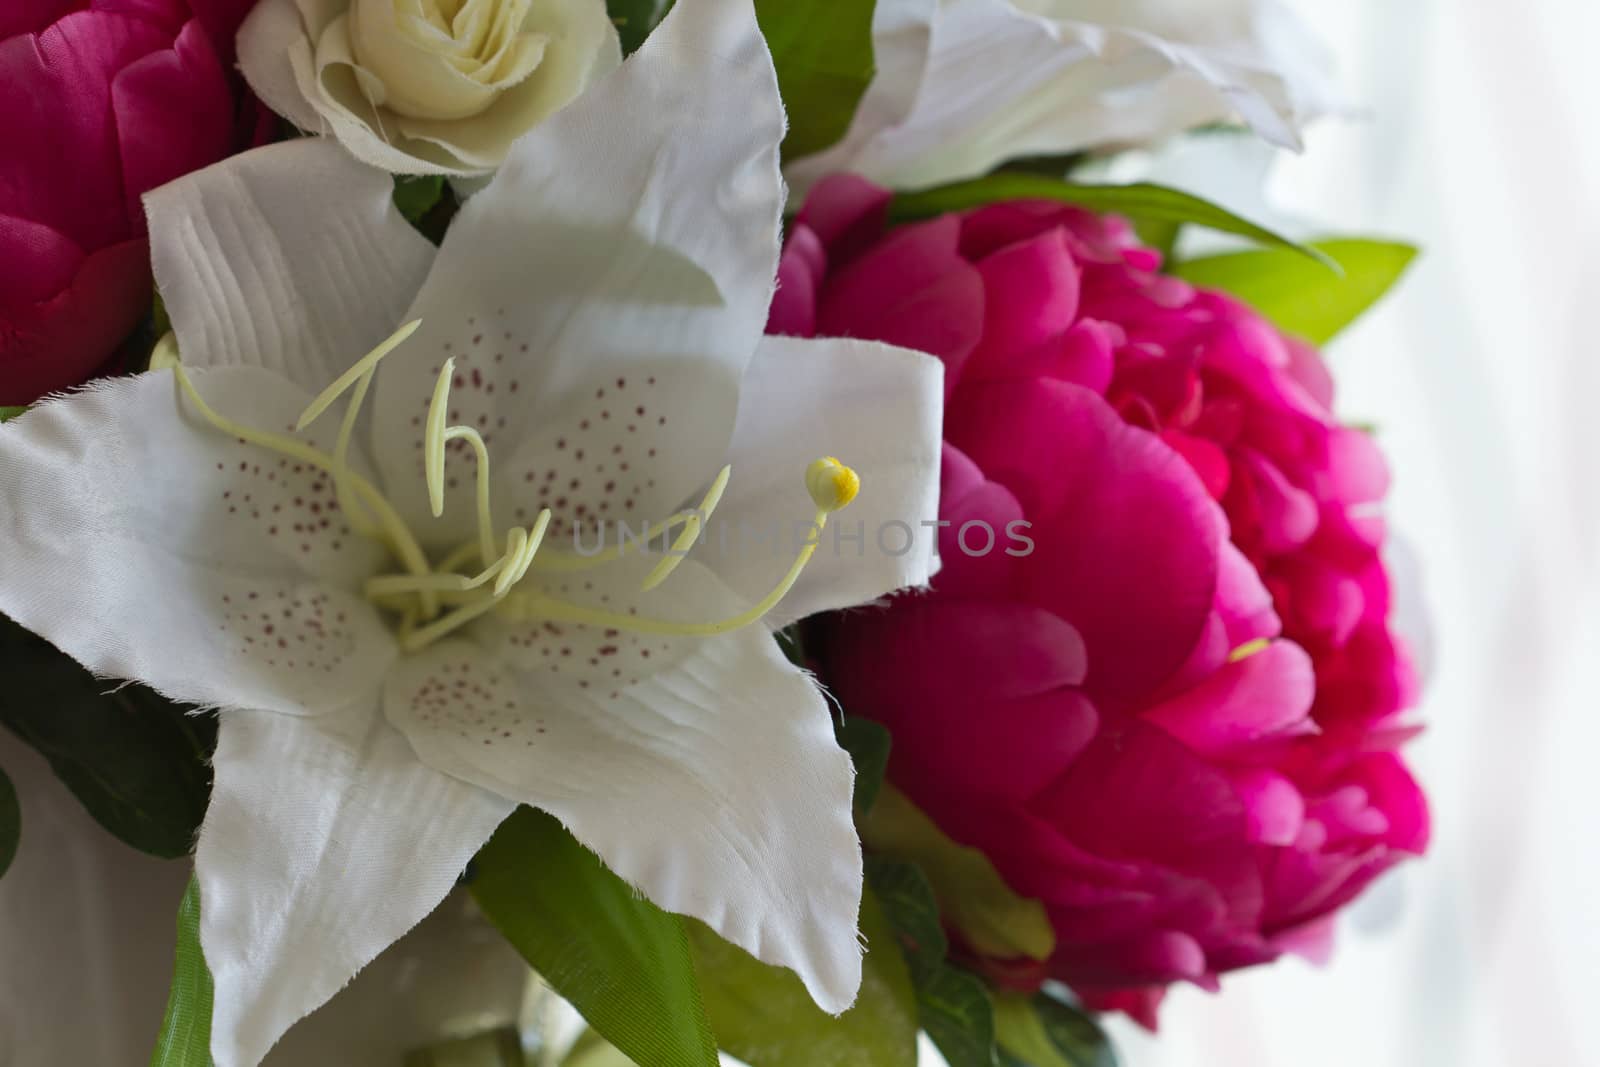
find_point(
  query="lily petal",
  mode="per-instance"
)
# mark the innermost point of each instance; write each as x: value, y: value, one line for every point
x: 603, y: 296
x: 715, y: 785
x: 326, y: 841
x: 876, y: 408
x: 253, y: 271
x: 1009, y: 78
x: 149, y: 547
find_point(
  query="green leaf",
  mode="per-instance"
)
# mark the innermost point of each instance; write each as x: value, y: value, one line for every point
x: 908, y: 902
x: 1042, y: 1031
x: 10, y: 413
x: 1142, y: 203
x: 185, y: 1038
x: 973, y: 898
x: 1159, y: 234
x: 137, y: 762
x: 620, y: 960
x: 952, y: 1005
x: 764, y: 1016
x: 1301, y: 299
x: 416, y: 195
x: 868, y: 745
x: 823, y: 52
x: 10, y: 822
x: 793, y: 647
x: 634, y: 20
x: 958, y: 1015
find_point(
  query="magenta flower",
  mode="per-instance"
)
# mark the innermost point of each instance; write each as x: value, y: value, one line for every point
x: 104, y: 101
x: 1175, y: 721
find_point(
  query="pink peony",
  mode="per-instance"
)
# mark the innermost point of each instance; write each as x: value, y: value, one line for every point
x: 103, y: 101
x: 1175, y: 722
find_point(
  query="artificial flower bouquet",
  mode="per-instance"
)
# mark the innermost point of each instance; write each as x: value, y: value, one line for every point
x: 713, y: 491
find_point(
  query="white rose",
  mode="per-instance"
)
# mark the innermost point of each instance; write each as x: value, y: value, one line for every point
x: 964, y: 85
x: 425, y: 86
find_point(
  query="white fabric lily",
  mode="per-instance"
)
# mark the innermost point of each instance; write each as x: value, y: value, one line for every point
x: 603, y: 302
x: 963, y: 85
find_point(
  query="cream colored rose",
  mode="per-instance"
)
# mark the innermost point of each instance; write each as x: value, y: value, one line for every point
x: 425, y: 86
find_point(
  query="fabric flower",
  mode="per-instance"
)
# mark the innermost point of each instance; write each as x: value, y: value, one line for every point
x: 965, y: 84
x: 426, y: 86
x: 1172, y: 716
x: 391, y: 684
x: 105, y: 100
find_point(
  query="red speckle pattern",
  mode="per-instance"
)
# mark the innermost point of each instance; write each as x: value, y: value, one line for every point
x: 602, y: 660
x: 457, y: 697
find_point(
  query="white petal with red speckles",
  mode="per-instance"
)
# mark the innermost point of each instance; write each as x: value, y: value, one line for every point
x: 603, y: 296
x: 714, y: 785
x: 149, y: 545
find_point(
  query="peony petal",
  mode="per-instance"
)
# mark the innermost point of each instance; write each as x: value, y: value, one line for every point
x: 800, y: 270
x: 969, y: 506
x: 1030, y: 297
x: 61, y: 341
x: 1127, y: 539
x: 977, y: 703
x: 1274, y: 809
x: 846, y: 212
x: 715, y: 786
x: 255, y: 272
x: 36, y: 261
x: 1139, y: 796
x: 301, y: 887
x: 1263, y: 696
x: 913, y: 289
x: 873, y: 407
x: 189, y: 80
x: 603, y: 296
x: 1001, y: 80
x: 62, y: 169
x: 149, y: 547
x: 32, y: 16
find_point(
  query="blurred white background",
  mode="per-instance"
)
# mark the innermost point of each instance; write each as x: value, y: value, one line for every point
x: 1483, y: 373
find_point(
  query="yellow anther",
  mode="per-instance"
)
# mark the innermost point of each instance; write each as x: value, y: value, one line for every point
x: 831, y: 484
x: 1248, y: 649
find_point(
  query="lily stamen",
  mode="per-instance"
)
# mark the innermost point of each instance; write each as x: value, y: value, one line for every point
x: 432, y: 602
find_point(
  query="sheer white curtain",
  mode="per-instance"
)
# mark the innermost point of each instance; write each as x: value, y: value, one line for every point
x: 1483, y: 373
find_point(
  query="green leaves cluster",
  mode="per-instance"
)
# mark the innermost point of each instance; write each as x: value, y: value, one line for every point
x: 136, y: 761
